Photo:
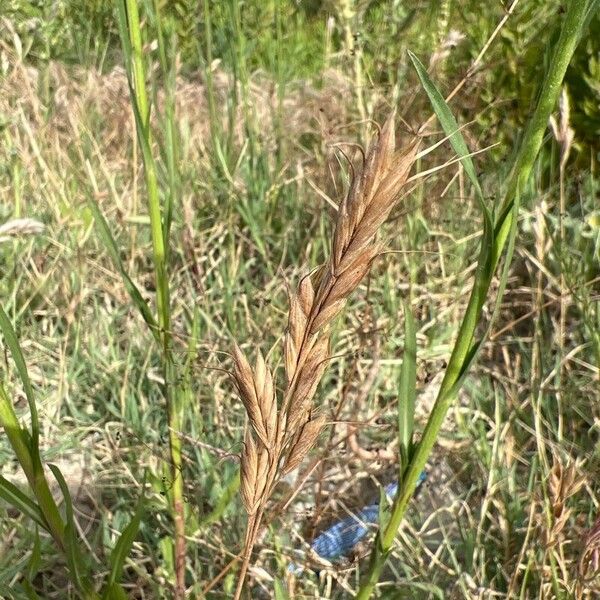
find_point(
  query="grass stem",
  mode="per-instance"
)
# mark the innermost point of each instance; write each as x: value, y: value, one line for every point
x: 464, y: 349
x: 159, y: 232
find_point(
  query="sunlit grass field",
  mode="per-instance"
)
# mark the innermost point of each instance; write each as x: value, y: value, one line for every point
x: 255, y: 111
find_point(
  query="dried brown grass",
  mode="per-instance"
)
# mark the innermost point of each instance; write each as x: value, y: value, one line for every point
x: 588, y: 581
x: 279, y: 438
x: 83, y: 99
x: 565, y: 481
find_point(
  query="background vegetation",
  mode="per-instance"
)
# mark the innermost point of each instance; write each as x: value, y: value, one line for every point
x: 263, y: 92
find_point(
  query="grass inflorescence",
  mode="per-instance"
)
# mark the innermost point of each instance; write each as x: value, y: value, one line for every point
x: 281, y: 438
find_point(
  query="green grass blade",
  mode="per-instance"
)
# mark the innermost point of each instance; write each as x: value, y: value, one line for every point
x: 10, y: 337
x: 123, y: 33
x: 131, y: 39
x: 167, y: 54
x: 227, y: 497
x: 17, y: 499
x: 129, y: 28
x: 384, y: 513
x: 35, y: 559
x: 499, y: 294
x: 29, y: 459
x: 10, y: 594
x: 30, y: 591
x: 77, y: 567
x: 407, y: 387
x: 113, y: 251
x: 448, y: 123
x: 122, y: 549
x: 157, y: 224
x: 33, y: 567
x: 432, y: 590
x: 17, y: 436
x: 280, y: 591
x: 116, y: 593
x: 457, y: 141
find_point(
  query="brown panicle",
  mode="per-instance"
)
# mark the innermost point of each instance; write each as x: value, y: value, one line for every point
x: 277, y: 441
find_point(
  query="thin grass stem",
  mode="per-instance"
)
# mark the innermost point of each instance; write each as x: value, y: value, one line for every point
x: 159, y: 227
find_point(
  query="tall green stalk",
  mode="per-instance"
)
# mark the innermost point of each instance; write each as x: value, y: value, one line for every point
x: 240, y: 69
x: 215, y: 130
x: 159, y: 226
x: 465, y: 348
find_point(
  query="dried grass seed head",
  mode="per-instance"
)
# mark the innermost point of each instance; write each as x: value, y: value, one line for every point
x: 257, y: 392
x: 303, y: 442
x: 308, y: 376
x: 254, y: 470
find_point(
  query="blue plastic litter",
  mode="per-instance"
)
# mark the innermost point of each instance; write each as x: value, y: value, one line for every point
x: 340, y: 538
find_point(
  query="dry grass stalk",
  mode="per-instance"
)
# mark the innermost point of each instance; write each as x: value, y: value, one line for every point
x: 277, y: 440
x: 589, y: 563
x: 563, y: 483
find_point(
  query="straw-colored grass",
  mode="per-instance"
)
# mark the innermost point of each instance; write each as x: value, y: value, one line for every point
x: 280, y: 438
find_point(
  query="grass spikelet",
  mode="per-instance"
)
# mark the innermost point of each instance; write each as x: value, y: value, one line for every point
x: 303, y: 443
x: 284, y: 439
x: 257, y: 394
x: 249, y: 473
x: 309, y: 374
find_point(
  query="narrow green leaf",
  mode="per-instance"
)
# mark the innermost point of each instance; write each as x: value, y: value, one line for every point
x: 280, y: 590
x: 12, y: 342
x: 166, y: 548
x: 77, y: 566
x: 9, y: 594
x: 485, y: 261
x: 430, y: 589
x: 457, y: 141
x: 30, y: 591
x: 32, y: 568
x: 124, y: 35
x: 19, y: 438
x: 122, y: 548
x: 167, y: 56
x: 407, y: 388
x: 35, y: 559
x: 115, y: 592
x: 447, y: 121
x: 385, y: 512
x: 111, y: 247
x: 510, y: 248
x: 16, y: 498
x: 157, y: 225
